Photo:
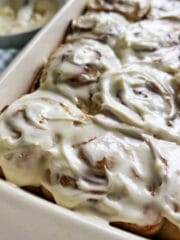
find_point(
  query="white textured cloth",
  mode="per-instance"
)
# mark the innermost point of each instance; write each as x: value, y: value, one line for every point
x: 6, y: 56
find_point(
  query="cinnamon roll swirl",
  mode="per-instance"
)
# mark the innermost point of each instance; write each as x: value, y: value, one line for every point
x: 156, y: 42
x: 74, y: 70
x: 144, y: 97
x: 102, y: 133
x: 101, y: 26
x: 46, y: 141
x: 132, y: 9
x: 165, y: 9
x: 25, y: 137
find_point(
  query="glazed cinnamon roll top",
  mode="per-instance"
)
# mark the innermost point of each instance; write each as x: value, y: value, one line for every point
x: 102, y: 133
x: 75, y: 69
x: 156, y: 42
x: 84, y: 165
x: 101, y: 26
x: 165, y: 9
x: 132, y: 9
x: 25, y: 136
x: 144, y: 97
x: 137, y: 95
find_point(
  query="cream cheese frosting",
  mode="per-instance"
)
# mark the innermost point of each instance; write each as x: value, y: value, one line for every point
x: 144, y: 97
x: 150, y: 35
x: 132, y: 9
x: 25, y: 136
x: 101, y: 26
x: 166, y: 59
x: 75, y: 68
x: 138, y: 95
x: 46, y: 140
x: 156, y: 42
x: 169, y: 9
x: 102, y: 133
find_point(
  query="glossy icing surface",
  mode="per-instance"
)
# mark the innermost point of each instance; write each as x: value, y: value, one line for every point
x: 103, y: 131
x: 151, y: 41
x: 101, y: 26
x: 133, y: 9
x: 46, y: 140
x: 165, y: 9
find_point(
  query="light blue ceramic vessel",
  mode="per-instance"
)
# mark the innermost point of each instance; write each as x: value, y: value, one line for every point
x: 20, y: 40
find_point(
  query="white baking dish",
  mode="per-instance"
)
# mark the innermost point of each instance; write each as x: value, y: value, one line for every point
x: 25, y: 216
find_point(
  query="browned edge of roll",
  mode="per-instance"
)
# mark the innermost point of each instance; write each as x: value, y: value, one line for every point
x: 145, y: 231
x: 164, y: 230
x: 168, y: 231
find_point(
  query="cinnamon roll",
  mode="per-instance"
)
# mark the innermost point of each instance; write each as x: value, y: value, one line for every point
x: 132, y: 9
x: 144, y: 97
x: 165, y: 9
x: 46, y: 141
x: 101, y: 26
x: 137, y: 95
x: 74, y: 70
x: 102, y: 132
x: 25, y: 137
x: 156, y: 42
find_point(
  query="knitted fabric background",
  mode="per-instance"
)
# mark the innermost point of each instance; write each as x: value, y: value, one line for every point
x: 6, y: 56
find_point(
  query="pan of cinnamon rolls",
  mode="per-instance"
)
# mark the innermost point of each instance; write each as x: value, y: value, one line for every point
x: 102, y: 130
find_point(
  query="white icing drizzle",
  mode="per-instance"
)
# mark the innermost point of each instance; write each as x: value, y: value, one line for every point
x: 107, y: 162
x: 150, y: 35
x: 144, y: 97
x: 165, y: 9
x: 155, y: 42
x: 137, y: 94
x: 75, y: 68
x: 46, y: 140
x: 25, y: 137
x: 102, y: 26
x: 132, y: 9
x: 165, y: 59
